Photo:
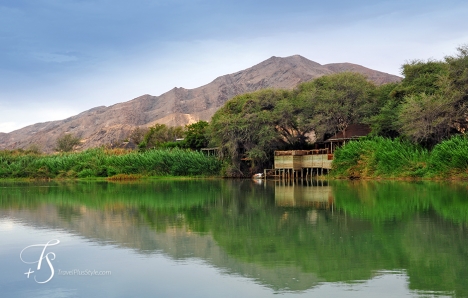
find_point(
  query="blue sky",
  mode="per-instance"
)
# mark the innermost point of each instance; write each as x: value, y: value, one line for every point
x: 61, y: 57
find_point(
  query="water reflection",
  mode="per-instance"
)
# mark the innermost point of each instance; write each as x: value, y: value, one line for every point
x: 316, y: 194
x: 287, y: 237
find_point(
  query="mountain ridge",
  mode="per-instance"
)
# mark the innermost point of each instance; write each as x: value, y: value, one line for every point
x: 179, y: 106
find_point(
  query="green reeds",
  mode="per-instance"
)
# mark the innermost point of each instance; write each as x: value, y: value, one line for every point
x: 105, y: 163
x: 380, y: 157
x: 386, y: 158
x: 450, y: 158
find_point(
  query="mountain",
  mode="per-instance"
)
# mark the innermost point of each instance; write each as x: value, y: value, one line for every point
x: 106, y: 125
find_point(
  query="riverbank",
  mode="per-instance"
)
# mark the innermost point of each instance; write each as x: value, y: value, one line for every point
x: 104, y: 163
x: 372, y: 158
x: 384, y: 158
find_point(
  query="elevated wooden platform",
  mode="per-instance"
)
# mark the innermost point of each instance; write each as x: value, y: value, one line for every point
x: 295, y: 163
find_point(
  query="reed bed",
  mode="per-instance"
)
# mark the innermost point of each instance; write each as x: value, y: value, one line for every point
x: 450, y: 158
x: 386, y: 158
x: 104, y: 163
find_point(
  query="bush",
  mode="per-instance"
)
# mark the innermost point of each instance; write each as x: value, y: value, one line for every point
x: 67, y: 142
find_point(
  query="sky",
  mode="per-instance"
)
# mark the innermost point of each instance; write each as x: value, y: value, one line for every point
x: 61, y: 57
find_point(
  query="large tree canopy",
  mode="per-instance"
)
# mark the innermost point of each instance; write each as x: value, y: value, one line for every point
x: 430, y: 104
x: 338, y: 100
x: 245, y: 124
x: 402, y: 103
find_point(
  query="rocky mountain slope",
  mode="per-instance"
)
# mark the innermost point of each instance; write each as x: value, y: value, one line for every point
x: 179, y: 106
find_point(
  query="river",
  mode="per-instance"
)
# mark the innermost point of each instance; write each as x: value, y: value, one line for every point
x: 234, y: 238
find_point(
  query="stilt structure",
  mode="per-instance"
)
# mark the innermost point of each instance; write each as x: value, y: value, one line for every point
x: 291, y: 165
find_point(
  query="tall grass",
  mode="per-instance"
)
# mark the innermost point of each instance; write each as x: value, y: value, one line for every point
x: 380, y: 157
x: 386, y: 158
x: 105, y: 163
x: 450, y: 158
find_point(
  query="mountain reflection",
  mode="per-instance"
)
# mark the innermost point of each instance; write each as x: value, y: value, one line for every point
x: 287, y: 236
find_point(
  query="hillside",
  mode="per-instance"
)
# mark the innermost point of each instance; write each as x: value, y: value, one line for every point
x: 105, y: 125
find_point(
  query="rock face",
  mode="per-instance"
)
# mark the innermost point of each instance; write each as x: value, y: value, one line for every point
x: 105, y: 125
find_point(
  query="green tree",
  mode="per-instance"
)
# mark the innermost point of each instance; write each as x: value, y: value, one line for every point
x: 385, y: 121
x: 67, y: 142
x: 435, y: 97
x: 421, y: 77
x: 195, y: 135
x: 159, y: 134
x: 340, y: 100
x: 426, y: 118
x: 416, y: 107
x: 248, y: 126
x: 457, y: 87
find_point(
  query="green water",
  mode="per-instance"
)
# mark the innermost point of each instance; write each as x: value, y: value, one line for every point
x: 225, y: 238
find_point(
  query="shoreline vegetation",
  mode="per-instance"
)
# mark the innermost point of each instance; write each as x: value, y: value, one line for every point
x: 367, y: 158
x: 114, y: 164
x: 383, y: 158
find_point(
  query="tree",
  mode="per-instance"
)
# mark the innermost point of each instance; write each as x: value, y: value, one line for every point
x: 385, y: 121
x: 159, y: 134
x: 137, y: 135
x: 340, y: 100
x: 434, y: 99
x: 67, y: 142
x: 34, y: 149
x: 426, y: 118
x: 248, y: 126
x: 195, y: 135
x: 457, y: 87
